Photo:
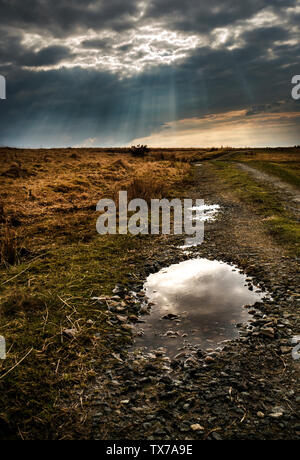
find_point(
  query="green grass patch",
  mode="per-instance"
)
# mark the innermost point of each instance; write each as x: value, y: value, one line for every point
x: 267, y: 203
x: 41, y: 299
x: 288, y: 171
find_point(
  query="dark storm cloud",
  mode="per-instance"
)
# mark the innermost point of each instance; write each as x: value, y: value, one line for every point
x: 195, y: 15
x: 12, y: 51
x: 50, y: 55
x: 98, y: 43
x: 263, y: 36
x: 46, y: 56
x: 47, y: 107
x: 63, y: 16
x: 67, y: 106
x: 274, y: 107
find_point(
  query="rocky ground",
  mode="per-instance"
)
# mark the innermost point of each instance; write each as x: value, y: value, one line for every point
x: 248, y: 390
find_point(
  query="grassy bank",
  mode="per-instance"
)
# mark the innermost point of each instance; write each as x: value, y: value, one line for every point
x: 53, y: 264
x: 282, y: 163
x: 264, y: 201
x: 287, y: 171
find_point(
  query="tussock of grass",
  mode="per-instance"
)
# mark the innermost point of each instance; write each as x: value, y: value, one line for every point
x: 145, y: 188
x: 120, y: 164
x: 9, y: 247
x: 2, y: 214
x: 16, y: 171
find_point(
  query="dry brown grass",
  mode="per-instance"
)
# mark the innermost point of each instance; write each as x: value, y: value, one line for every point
x: 279, y: 155
x: 145, y: 188
x: 16, y: 171
x: 21, y: 303
x: 184, y: 155
x: 119, y: 164
x: 2, y: 214
x: 52, y: 194
x: 9, y: 248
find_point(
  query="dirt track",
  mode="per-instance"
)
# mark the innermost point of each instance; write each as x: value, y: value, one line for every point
x: 246, y: 391
x: 290, y: 195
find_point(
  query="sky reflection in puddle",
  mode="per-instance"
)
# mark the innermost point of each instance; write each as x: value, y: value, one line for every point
x: 208, y: 298
x: 205, y: 213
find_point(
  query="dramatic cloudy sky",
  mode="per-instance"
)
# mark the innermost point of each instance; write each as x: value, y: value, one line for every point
x: 164, y: 72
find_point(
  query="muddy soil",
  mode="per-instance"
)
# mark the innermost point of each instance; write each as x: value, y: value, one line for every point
x: 247, y: 390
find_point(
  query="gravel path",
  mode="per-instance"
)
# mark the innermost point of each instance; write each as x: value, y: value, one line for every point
x: 246, y: 391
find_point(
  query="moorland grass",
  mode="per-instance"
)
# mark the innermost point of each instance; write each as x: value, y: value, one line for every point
x: 266, y: 202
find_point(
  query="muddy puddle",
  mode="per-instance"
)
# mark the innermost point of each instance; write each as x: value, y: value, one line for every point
x: 207, y: 212
x: 204, y: 213
x: 195, y: 304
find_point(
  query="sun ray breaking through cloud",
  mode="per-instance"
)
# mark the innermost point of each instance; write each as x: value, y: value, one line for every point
x: 111, y: 73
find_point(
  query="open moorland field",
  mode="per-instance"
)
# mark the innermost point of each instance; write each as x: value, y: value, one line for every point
x: 70, y: 372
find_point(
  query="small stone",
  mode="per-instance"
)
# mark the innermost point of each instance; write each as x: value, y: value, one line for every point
x: 268, y: 332
x: 117, y: 289
x: 260, y: 414
x: 277, y: 412
x: 127, y: 327
x: 133, y: 318
x: 171, y: 334
x: 70, y: 333
x: 197, y: 427
x: 122, y: 319
x: 285, y: 350
x: 170, y: 316
x: 118, y: 357
x: 151, y: 356
x: 209, y: 359
x: 180, y: 355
